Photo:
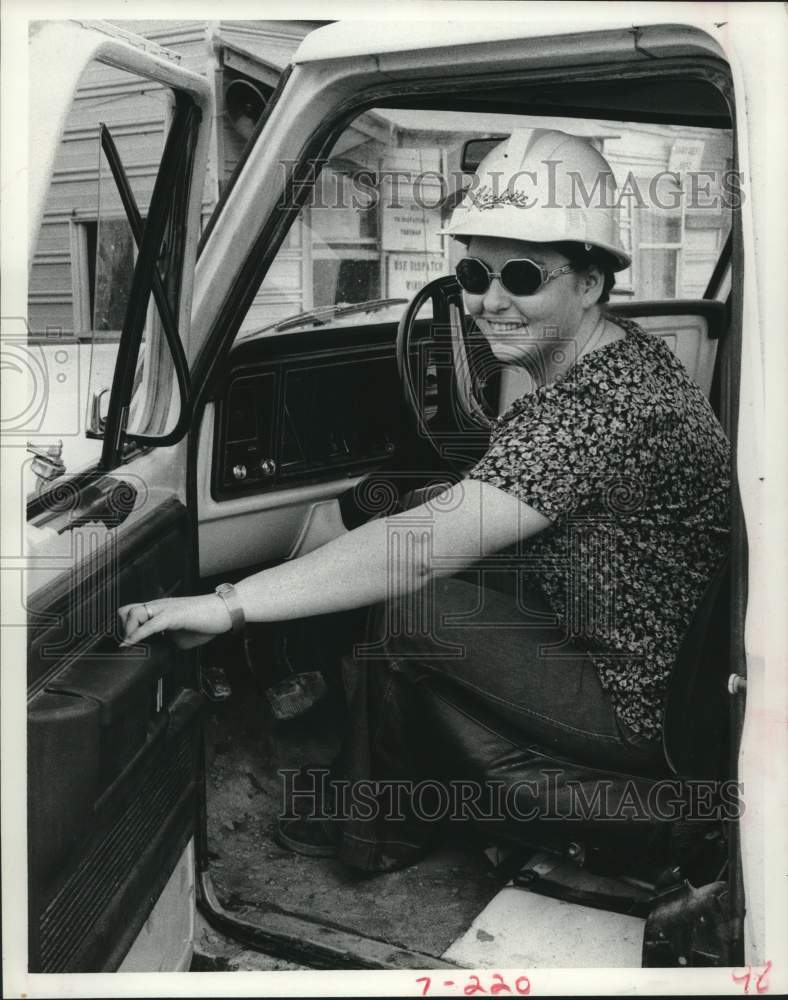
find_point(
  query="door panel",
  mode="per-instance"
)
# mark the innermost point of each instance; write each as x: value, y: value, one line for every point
x: 88, y: 918
x: 113, y: 734
x: 113, y: 738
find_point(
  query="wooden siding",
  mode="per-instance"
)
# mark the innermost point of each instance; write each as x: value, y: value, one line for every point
x: 135, y: 110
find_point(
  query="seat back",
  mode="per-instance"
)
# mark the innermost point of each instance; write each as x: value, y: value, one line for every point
x: 690, y: 328
x: 696, y: 721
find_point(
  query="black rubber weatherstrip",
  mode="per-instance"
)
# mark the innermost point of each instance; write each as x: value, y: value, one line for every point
x: 168, y: 320
x: 142, y: 279
x: 719, y: 269
x: 730, y: 396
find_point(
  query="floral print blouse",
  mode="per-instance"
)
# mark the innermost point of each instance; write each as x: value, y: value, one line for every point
x: 624, y: 455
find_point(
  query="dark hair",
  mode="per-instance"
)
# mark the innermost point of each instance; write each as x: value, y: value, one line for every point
x: 581, y: 259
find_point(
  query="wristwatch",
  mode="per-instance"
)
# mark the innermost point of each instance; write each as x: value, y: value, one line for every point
x: 229, y: 595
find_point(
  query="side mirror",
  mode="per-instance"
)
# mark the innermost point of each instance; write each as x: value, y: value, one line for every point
x: 47, y: 464
x: 98, y: 415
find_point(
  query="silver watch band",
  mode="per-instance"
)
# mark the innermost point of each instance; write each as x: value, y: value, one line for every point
x: 228, y: 594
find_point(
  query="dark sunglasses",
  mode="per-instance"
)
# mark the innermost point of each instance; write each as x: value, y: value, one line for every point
x: 519, y: 277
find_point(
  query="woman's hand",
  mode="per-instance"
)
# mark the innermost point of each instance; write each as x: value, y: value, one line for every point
x: 188, y: 621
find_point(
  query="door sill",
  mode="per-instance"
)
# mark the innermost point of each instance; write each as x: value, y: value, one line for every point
x: 277, y: 933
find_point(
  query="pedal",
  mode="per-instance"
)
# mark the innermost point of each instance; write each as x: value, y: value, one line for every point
x: 215, y: 685
x: 296, y: 694
x: 565, y: 879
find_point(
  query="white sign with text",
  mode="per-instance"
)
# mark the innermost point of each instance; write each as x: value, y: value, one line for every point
x: 406, y: 273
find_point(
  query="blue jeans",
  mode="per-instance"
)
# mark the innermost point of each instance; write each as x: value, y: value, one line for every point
x: 458, y: 657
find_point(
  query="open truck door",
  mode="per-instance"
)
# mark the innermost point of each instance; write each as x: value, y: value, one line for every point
x: 113, y: 734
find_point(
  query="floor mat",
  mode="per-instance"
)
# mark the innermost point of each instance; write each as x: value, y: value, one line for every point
x: 523, y: 930
x: 425, y: 907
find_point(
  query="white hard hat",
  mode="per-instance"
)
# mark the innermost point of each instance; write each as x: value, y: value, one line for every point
x: 543, y: 186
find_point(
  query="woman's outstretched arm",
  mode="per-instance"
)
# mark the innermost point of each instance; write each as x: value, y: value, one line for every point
x: 380, y: 560
x: 391, y: 556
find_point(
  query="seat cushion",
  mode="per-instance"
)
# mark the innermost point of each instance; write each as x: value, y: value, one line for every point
x: 516, y: 791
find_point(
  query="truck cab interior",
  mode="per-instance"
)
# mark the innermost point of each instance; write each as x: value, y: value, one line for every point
x: 325, y: 417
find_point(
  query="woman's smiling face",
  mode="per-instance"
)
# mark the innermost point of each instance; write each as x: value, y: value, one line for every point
x: 516, y: 326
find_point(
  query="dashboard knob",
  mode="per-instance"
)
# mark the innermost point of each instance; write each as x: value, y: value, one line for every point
x: 239, y: 471
x: 267, y: 466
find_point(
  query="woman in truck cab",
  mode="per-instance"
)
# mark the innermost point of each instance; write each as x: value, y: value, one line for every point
x: 610, y: 478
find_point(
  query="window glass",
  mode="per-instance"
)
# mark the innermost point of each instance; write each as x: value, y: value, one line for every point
x: 113, y: 252
x: 344, y: 280
x: 81, y: 275
x: 371, y: 229
x: 659, y: 273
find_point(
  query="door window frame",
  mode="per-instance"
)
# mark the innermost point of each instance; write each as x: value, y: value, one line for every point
x: 169, y: 207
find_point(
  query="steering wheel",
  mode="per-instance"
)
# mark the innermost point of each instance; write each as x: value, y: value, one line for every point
x: 458, y: 432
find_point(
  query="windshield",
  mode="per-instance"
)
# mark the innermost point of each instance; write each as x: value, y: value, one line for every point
x: 350, y: 315
x: 370, y: 236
